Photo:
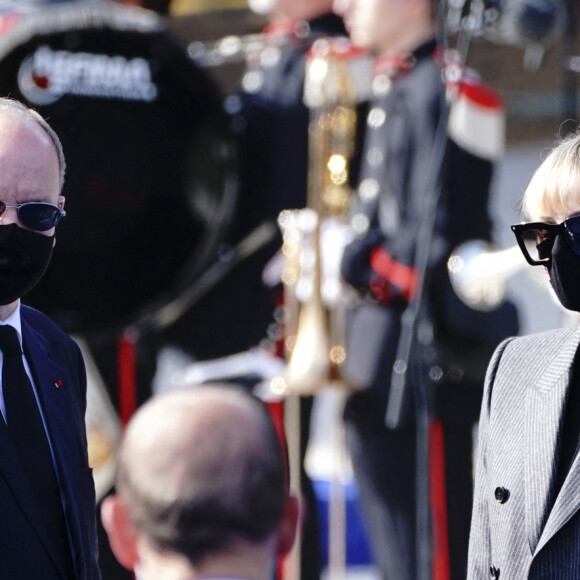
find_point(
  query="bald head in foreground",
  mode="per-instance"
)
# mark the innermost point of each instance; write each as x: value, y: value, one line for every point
x: 200, y: 489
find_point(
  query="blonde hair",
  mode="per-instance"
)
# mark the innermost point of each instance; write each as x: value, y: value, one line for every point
x: 555, y: 186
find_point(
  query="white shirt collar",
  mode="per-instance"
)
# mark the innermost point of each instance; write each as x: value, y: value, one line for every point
x: 14, y: 321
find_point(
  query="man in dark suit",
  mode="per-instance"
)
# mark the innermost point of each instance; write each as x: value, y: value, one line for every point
x: 47, y: 504
x: 201, y: 489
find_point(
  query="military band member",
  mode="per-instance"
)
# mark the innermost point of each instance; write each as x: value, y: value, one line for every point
x: 395, y: 190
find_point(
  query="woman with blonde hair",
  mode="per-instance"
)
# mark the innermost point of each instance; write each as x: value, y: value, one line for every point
x: 526, y: 516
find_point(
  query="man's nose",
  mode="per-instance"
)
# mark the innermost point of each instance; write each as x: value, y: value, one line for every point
x: 9, y: 216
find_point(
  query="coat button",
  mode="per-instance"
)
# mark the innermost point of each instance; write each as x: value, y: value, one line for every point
x: 494, y: 572
x: 501, y: 494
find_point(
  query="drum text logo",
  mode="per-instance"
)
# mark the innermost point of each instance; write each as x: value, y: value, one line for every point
x: 48, y: 74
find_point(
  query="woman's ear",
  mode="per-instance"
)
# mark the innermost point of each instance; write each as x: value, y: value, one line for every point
x: 117, y: 524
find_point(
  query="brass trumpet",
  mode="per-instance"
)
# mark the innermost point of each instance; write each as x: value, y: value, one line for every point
x: 314, y: 237
x: 233, y: 49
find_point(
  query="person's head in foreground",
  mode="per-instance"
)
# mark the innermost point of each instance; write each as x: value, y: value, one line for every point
x: 200, y: 489
x: 552, y: 203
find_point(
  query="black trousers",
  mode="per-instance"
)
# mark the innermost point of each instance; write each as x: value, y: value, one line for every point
x: 384, y: 463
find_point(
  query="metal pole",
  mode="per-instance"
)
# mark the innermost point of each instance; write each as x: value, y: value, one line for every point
x: 570, y: 68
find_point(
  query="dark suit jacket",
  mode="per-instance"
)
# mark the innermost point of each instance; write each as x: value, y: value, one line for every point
x: 522, y: 526
x: 26, y: 550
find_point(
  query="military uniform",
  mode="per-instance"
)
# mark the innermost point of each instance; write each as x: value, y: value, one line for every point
x: 397, y: 181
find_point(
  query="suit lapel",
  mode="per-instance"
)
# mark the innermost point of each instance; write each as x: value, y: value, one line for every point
x: 566, y: 504
x: 545, y: 404
x: 51, y: 380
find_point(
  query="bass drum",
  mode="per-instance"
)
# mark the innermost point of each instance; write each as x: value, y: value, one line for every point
x: 151, y: 180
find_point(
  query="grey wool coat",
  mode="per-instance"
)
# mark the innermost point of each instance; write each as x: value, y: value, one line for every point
x: 519, y: 530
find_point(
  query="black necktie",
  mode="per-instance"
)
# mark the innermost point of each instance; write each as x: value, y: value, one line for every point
x: 29, y: 439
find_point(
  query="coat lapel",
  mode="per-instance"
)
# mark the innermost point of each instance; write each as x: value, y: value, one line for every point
x: 566, y: 504
x: 51, y: 380
x: 545, y: 405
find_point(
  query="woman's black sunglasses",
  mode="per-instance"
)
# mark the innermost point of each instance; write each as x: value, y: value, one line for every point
x: 536, y: 239
x: 36, y: 215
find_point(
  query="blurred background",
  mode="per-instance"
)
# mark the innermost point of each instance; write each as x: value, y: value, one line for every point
x: 160, y: 262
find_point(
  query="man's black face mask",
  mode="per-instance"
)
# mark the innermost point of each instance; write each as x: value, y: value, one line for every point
x: 564, y: 269
x: 24, y: 257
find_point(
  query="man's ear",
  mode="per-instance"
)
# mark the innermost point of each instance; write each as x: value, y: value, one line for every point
x: 122, y: 538
x: 288, y: 526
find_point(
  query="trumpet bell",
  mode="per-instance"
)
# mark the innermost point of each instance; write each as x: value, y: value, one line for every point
x: 308, y: 367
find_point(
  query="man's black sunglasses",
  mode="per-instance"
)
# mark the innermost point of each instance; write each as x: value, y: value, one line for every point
x: 36, y: 215
x: 536, y: 239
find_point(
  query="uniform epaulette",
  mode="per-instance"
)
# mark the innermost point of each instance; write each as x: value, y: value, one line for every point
x: 477, y: 118
x: 357, y: 68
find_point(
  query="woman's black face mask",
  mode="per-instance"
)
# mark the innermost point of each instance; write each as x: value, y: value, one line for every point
x: 564, y: 270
